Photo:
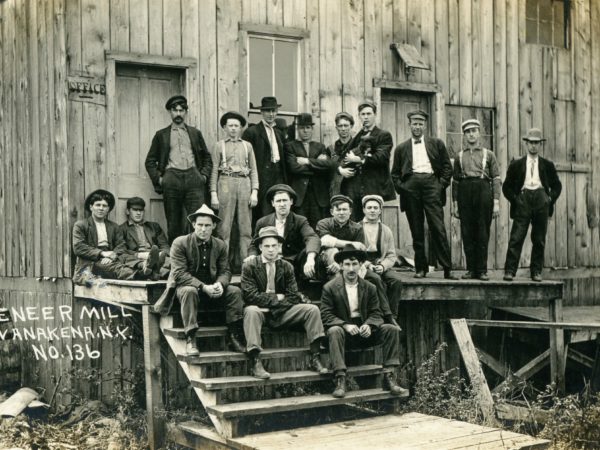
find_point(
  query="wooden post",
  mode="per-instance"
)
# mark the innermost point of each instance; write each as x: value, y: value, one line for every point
x: 153, y: 375
x: 557, y: 345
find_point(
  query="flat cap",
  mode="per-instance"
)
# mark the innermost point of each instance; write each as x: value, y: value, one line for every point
x: 366, y: 104
x: 280, y: 188
x: 177, y: 100
x: 232, y: 115
x: 377, y: 198
x: 136, y: 201
x: 470, y: 123
x: 344, y: 115
x: 417, y: 114
x: 339, y: 198
x: 267, y: 232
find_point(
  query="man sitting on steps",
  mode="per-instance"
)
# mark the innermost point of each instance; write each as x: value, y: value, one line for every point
x: 271, y: 295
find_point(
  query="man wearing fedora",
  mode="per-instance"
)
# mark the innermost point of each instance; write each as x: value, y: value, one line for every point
x: 200, y: 272
x: 532, y: 188
x: 366, y: 167
x: 271, y: 295
x: 421, y: 172
x: 234, y: 181
x: 476, y: 188
x: 352, y: 317
x: 344, y: 122
x: 179, y: 166
x: 301, y: 245
x: 98, y: 243
x: 267, y: 143
x: 309, y: 168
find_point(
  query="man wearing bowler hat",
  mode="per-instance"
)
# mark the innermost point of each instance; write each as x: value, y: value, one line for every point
x: 421, y: 172
x: 532, y: 188
x: 267, y: 142
x: 179, y: 166
x: 309, y: 166
x: 476, y: 198
x: 234, y: 181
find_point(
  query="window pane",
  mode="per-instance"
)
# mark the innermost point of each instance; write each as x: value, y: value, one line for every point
x: 545, y: 37
x: 531, y: 9
x: 286, y: 74
x: 559, y: 26
x: 545, y: 10
x: 261, y: 69
x: 531, y: 28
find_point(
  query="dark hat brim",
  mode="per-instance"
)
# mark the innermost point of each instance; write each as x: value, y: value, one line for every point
x: 527, y: 139
x: 275, y: 106
x: 280, y: 188
x: 258, y: 239
x: 232, y: 115
x: 110, y: 201
x: 176, y: 99
x: 360, y: 255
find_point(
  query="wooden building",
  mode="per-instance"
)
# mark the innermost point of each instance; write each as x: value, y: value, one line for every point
x: 84, y: 84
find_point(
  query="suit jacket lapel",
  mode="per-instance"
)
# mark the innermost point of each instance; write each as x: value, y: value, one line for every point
x: 429, y: 148
x: 93, y: 231
x: 263, y: 132
x: 261, y: 274
x: 289, y: 225
x: 342, y: 289
x: 213, y: 257
x: 362, y: 302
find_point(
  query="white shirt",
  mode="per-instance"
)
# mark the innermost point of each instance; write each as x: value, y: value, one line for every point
x: 352, y: 291
x: 370, y: 231
x: 280, y: 225
x: 102, y: 235
x: 532, y: 174
x: 273, y: 141
x: 420, y: 161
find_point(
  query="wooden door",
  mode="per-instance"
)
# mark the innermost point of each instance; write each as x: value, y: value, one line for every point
x: 141, y: 94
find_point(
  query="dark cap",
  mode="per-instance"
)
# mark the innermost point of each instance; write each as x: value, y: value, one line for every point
x: 339, y: 198
x: 365, y: 104
x: 269, y: 103
x: 349, y: 251
x: 136, y: 201
x: 534, y: 135
x: 100, y: 194
x: 232, y: 115
x: 267, y: 232
x: 418, y: 114
x: 280, y: 188
x: 344, y: 115
x: 176, y: 100
x: 304, y: 120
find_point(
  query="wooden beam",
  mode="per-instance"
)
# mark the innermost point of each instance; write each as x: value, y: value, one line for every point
x: 430, y: 88
x: 534, y: 325
x: 558, y: 357
x: 492, y: 362
x: 529, y: 369
x: 505, y: 411
x: 151, y: 60
x: 580, y: 358
x: 275, y: 30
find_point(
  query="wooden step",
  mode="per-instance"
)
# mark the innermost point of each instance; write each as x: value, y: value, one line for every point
x: 218, y: 331
x: 235, y: 410
x: 225, y: 356
x: 213, y: 384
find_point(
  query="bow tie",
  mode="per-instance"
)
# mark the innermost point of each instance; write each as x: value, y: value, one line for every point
x: 417, y: 141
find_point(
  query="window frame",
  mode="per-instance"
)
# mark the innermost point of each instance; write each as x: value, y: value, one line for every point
x: 566, y: 23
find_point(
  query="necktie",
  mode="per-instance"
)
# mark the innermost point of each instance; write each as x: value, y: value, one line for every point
x: 532, y: 170
x: 274, y: 146
x: 417, y: 141
x: 271, y: 277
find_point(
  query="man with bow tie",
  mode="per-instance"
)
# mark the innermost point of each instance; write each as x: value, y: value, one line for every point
x: 532, y: 188
x: 421, y: 174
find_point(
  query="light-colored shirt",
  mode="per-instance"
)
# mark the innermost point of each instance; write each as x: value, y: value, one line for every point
x: 270, y: 269
x: 280, y: 226
x: 273, y: 141
x: 420, y: 160
x: 352, y: 292
x: 181, y: 155
x: 532, y: 174
x: 144, y: 245
x: 370, y: 231
x: 236, y: 157
x: 470, y: 165
x: 102, y: 234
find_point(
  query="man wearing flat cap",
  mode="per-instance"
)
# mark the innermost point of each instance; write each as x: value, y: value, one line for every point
x: 179, y: 166
x: 366, y: 167
x: 352, y: 317
x: 421, y: 172
x: 309, y: 168
x: 98, y: 243
x: 532, y: 188
x: 344, y: 122
x: 267, y: 141
x: 200, y: 272
x: 301, y: 244
x: 234, y: 182
x: 476, y: 198
x: 271, y: 295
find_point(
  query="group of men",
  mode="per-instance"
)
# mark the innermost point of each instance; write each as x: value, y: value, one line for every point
x: 316, y: 214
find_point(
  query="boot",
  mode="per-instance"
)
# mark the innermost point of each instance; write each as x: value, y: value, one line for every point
x: 317, y: 365
x: 340, y: 385
x: 191, y: 349
x: 389, y: 384
x: 235, y: 337
x: 258, y: 371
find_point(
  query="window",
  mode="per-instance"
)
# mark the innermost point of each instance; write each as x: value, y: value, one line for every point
x: 547, y: 22
x: 456, y: 115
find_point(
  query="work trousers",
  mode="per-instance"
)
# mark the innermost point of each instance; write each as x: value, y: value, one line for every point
x: 234, y: 202
x: 302, y: 314
x: 138, y: 264
x: 114, y: 270
x: 532, y: 207
x: 421, y: 197
x: 475, y: 205
x: 189, y: 296
x: 182, y: 190
x: 387, y: 335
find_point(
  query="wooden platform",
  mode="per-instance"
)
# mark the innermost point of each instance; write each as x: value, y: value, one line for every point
x: 407, y: 431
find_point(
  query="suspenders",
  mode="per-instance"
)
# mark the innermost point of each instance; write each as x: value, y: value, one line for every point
x: 483, y: 162
x: 224, y: 155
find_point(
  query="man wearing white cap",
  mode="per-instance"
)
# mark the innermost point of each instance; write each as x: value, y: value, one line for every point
x: 476, y: 198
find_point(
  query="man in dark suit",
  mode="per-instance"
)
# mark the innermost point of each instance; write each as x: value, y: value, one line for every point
x: 366, y: 167
x: 351, y: 314
x: 267, y: 143
x: 271, y: 295
x: 301, y: 244
x: 200, y: 272
x: 532, y: 188
x: 179, y: 166
x: 309, y: 168
x: 421, y: 174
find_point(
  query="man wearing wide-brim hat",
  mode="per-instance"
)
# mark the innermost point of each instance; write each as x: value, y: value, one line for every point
x: 532, y: 187
x: 267, y: 141
x: 179, y: 166
x: 476, y: 187
x: 200, y: 272
x: 310, y: 168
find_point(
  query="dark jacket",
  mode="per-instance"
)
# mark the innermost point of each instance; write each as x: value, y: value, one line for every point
x: 268, y: 175
x: 438, y: 157
x: 374, y: 174
x: 515, y: 179
x: 158, y: 155
x: 154, y: 234
x: 335, y: 308
x: 318, y: 173
x: 85, y: 241
x: 298, y: 235
x: 254, y: 285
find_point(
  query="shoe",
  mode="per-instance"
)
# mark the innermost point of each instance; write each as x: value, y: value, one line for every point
x: 483, y: 277
x: 162, y: 256
x: 448, y: 275
x: 468, y: 276
x: 536, y: 277
x: 152, y: 262
x: 235, y: 344
x: 316, y: 365
x: 389, y: 384
x: 508, y: 276
x: 191, y: 348
x: 258, y: 371
x: 340, y: 386
x: 420, y: 274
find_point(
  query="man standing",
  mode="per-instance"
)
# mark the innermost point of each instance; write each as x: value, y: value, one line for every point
x: 271, y: 295
x: 368, y: 161
x: 146, y: 246
x: 340, y: 148
x: 200, y: 272
x: 234, y: 181
x: 179, y: 166
x: 352, y: 317
x: 310, y: 167
x: 476, y: 198
x: 268, y: 149
x: 532, y: 188
x: 421, y: 174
